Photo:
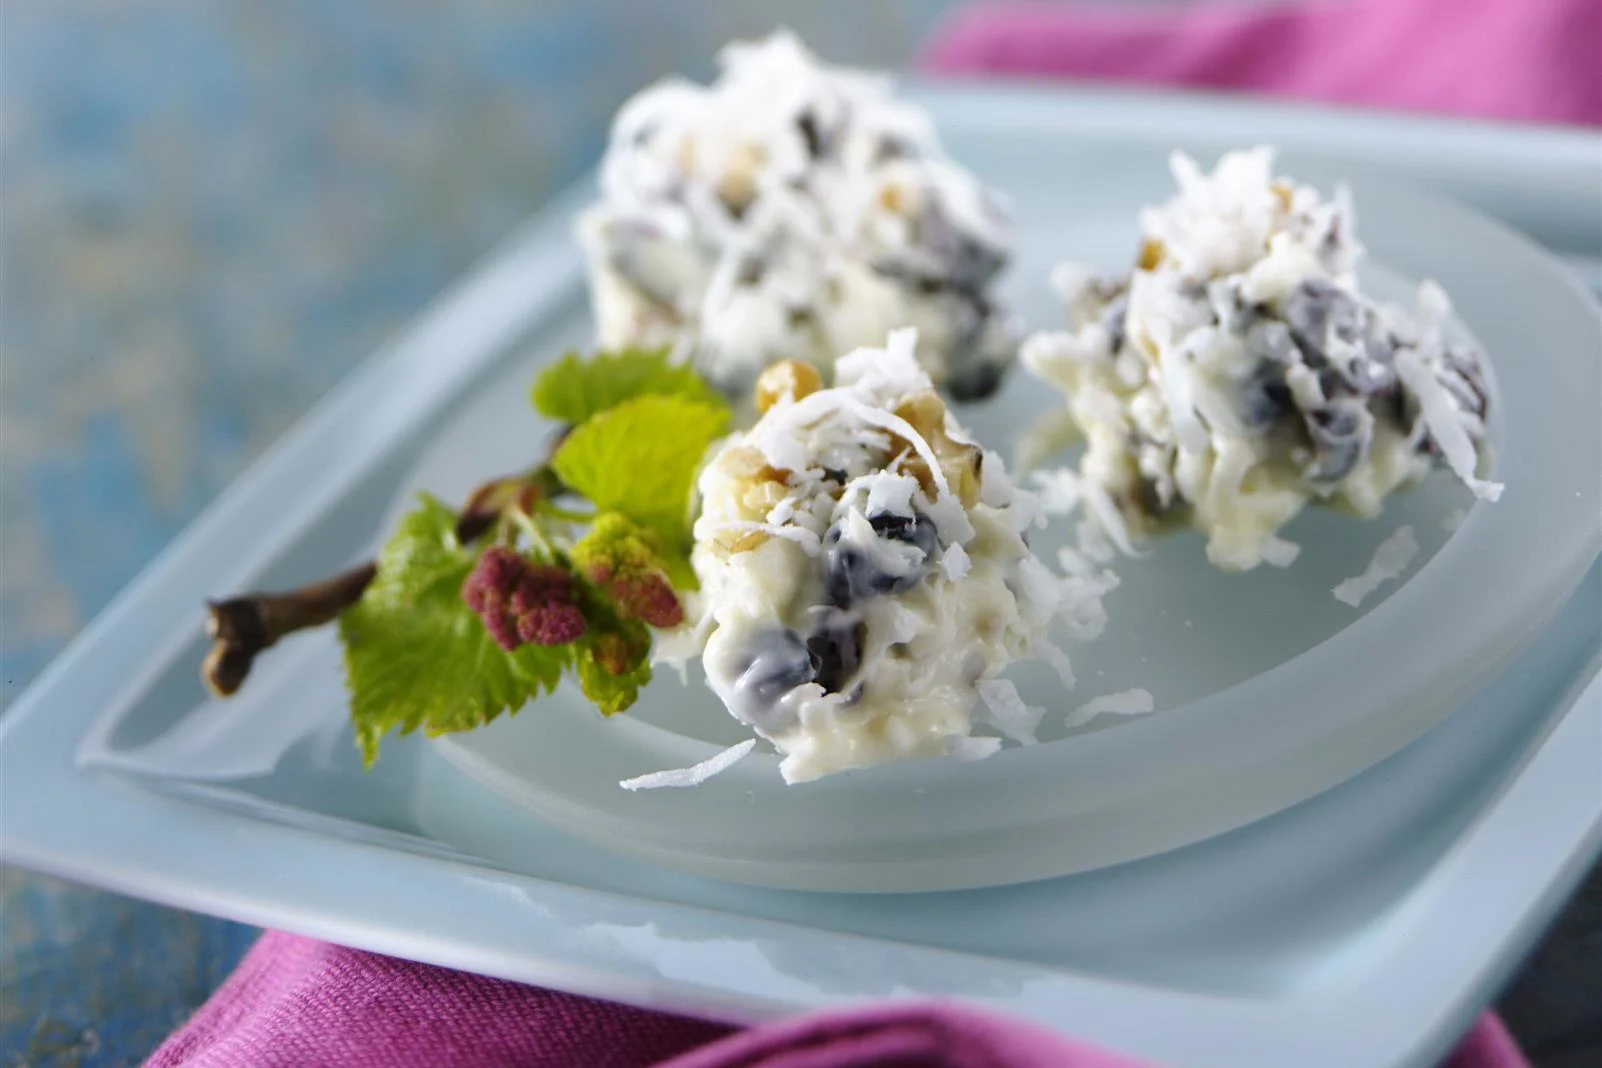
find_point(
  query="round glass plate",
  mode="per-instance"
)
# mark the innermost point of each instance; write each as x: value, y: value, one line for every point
x: 1268, y: 690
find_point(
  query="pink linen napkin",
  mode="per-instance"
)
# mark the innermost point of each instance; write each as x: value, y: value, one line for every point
x: 296, y: 1002
x: 1531, y: 60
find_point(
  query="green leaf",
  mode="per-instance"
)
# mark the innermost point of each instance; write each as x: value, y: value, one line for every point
x: 575, y: 389
x: 417, y: 657
x: 640, y: 458
x: 626, y: 562
x: 676, y: 561
x: 613, y: 659
x: 609, y: 692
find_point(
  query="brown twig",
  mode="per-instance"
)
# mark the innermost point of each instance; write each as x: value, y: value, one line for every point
x: 242, y: 627
x: 489, y: 502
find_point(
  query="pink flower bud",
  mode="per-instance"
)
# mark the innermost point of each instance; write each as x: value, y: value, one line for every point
x: 641, y: 594
x: 523, y: 602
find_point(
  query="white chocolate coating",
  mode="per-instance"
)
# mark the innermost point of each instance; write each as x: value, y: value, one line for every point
x: 1238, y: 374
x: 792, y: 210
x: 864, y: 576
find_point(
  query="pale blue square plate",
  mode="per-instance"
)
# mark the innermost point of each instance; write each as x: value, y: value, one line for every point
x: 1362, y: 927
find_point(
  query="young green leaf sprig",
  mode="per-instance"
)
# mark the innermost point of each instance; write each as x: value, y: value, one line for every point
x: 562, y: 571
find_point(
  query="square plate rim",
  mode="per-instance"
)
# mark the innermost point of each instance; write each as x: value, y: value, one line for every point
x: 1404, y: 1024
x: 530, y: 275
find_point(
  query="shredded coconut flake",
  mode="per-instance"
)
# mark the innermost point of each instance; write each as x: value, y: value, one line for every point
x: 803, y: 537
x: 1082, y: 613
x: 1389, y: 562
x: 1050, y: 433
x: 901, y: 428
x: 1180, y: 384
x: 1128, y: 703
x: 889, y: 491
x: 1065, y: 492
x: 1445, y: 424
x: 1108, y: 519
x: 955, y: 563
x: 1014, y: 718
x: 951, y: 519
x: 1067, y: 279
x: 969, y: 749
x: 691, y: 776
x: 1059, y: 490
x: 1052, y: 654
x: 893, y: 370
x: 1280, y: 552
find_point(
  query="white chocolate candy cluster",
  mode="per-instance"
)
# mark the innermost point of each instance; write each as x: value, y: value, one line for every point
x: 1237, y: 374
x: 864, y: 574
x: 792, y: 211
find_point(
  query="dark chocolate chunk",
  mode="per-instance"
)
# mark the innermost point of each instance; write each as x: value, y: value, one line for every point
x: 851, y: 575
x: 917, y: 529
x: 750, y: 270
x: 810, y: 134
x: 1338, y: 434
x: 1115, y: 321
x: 836, y: 648
x: 976, y: 383
x: 1265, y: 398
x: 779, y: 662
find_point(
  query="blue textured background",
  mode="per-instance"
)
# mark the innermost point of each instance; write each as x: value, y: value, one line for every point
x: 210, y: 213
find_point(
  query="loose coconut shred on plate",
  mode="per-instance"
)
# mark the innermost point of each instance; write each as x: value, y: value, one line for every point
x: 1128, y: 703
x: 1389, y: 562
x: 694, y: 775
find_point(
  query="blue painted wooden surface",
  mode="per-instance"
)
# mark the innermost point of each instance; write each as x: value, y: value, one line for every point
x: 210, y: 213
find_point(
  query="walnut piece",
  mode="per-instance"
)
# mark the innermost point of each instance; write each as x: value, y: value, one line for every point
x: 791, y: 379
x: 959, y: 461
x: 1151, y: 254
